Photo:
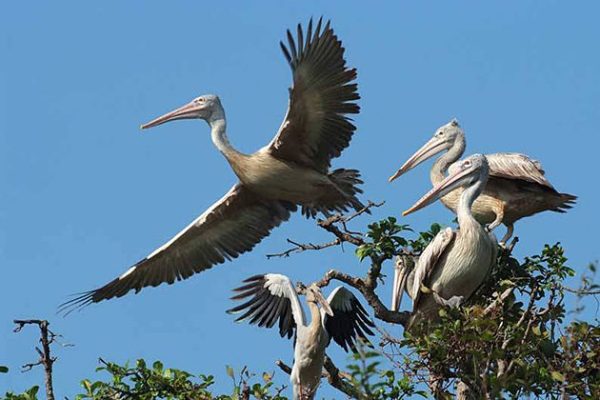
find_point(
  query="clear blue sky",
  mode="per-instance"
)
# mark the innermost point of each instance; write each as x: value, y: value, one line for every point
x: 84, y: 193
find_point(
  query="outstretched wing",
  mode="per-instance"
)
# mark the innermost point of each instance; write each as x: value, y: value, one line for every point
x: 272, y: 298
x: 517, y: 166
x: 230, y: 227
x: 316, y: 128
x: 428, y: 261
x: 349, y: 322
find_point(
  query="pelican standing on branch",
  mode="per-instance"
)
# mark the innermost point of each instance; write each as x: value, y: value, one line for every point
x: 457, y: 261
x: 292, y: 170
x: 516, y: 187
x: 273, y: 299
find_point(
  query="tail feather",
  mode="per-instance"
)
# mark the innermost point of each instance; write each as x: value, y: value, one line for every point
x: 347, y: 181
x: 564, y: 202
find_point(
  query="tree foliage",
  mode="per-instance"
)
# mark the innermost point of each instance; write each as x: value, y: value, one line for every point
x: 514, y: 338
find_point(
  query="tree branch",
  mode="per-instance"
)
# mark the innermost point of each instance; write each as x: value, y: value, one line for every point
x: 300, y: 247
x: 47, y: 337
x: 368, y: 292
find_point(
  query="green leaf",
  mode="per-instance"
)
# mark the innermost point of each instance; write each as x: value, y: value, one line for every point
x: 229, y: 371
x: 3, y: 369
x: 557, y: 376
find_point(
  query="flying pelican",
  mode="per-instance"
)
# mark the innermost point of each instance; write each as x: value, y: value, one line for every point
x: 516, y: 187
x: 291, y: 170
x: 273, y: 298
x: 457, y: 261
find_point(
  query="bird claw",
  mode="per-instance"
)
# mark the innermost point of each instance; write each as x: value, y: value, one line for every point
x: 452, y: 302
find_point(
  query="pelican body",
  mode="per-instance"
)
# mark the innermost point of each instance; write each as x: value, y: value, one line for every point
x: 293, y: 170
x: 516, y: 188
x: 456, y: 262
x: 273, y: 299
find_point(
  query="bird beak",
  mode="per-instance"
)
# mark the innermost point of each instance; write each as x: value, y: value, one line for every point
x: 188, y: 111
x: 451, y: 182
x: 429, y: 149
x: 324, y: 304
x: 400, y: 276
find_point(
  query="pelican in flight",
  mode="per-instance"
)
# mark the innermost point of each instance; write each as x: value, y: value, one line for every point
x: 516, y: 188
x: 273, y: 299
x: 293, y: 170
x: 456, y: 261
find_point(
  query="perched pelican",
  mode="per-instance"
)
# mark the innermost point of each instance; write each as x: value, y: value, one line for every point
x: 273, y: 298
x: 516, y: 187
x: 291, y: 170
x: 457, y: 261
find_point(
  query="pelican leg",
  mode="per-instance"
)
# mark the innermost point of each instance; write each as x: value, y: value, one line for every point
x: 509, y: 232
x: 499, y: 217
x: 452, y: 302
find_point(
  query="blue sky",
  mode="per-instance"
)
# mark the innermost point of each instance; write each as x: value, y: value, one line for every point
x: 85, y: 193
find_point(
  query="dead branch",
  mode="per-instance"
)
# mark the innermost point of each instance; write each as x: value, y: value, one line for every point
x: 47, y: 337
x: 342, y: 235
x: 300, y: 247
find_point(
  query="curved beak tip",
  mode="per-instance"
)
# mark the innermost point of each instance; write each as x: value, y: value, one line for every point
x: 396, y: 175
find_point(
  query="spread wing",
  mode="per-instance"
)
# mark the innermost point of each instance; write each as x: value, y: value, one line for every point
x: 230, y: 227
x: 428, y: 261
x: 316, y: 127
x: 349, y: 322
x: 272, y: 298
x: 517, y: 166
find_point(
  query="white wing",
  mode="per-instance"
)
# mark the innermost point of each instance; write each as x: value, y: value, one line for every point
x: 230, y: 227
x: 517, y: 166
x: 272, y: 298
x: 349, y: 322
x: 428, y: 261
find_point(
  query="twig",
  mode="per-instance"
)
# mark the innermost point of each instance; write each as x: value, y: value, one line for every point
x: 342, y: 235
x: 47, y: 337
x: 300, y: 247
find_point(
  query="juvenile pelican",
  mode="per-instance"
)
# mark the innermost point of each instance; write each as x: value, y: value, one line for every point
x: 457, y: 261
x: 273, y: 298
x: 516, y: 187
x: 291, y: 170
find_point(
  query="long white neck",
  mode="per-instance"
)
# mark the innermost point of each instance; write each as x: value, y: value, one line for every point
x: 218, y: 127
x: 467, y: 198
x: 440, y: 167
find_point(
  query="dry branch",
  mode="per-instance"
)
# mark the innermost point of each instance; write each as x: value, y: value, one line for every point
x: 47, y: 337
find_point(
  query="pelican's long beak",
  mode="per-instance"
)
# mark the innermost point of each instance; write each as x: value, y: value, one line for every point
x: 188, y: 111
x: 429, y: 149
x: 324, y: 304
x: 451, y: 182
x: 400, y: 275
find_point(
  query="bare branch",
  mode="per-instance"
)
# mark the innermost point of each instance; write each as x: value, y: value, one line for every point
x: 47, y: 337
x: 300, y: 247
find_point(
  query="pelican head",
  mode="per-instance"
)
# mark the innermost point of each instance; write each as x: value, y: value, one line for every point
x: 314, y: 295
x: 467, y: 172
x: 443, y: 139
x: 206, y: 107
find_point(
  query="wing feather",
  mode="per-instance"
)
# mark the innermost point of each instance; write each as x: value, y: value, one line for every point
x: 517, y: 166
x: 232, y: 226
x: 273, y: 298
x: 316, y: 128
x: 349, y: 322
x: 428, y: 261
